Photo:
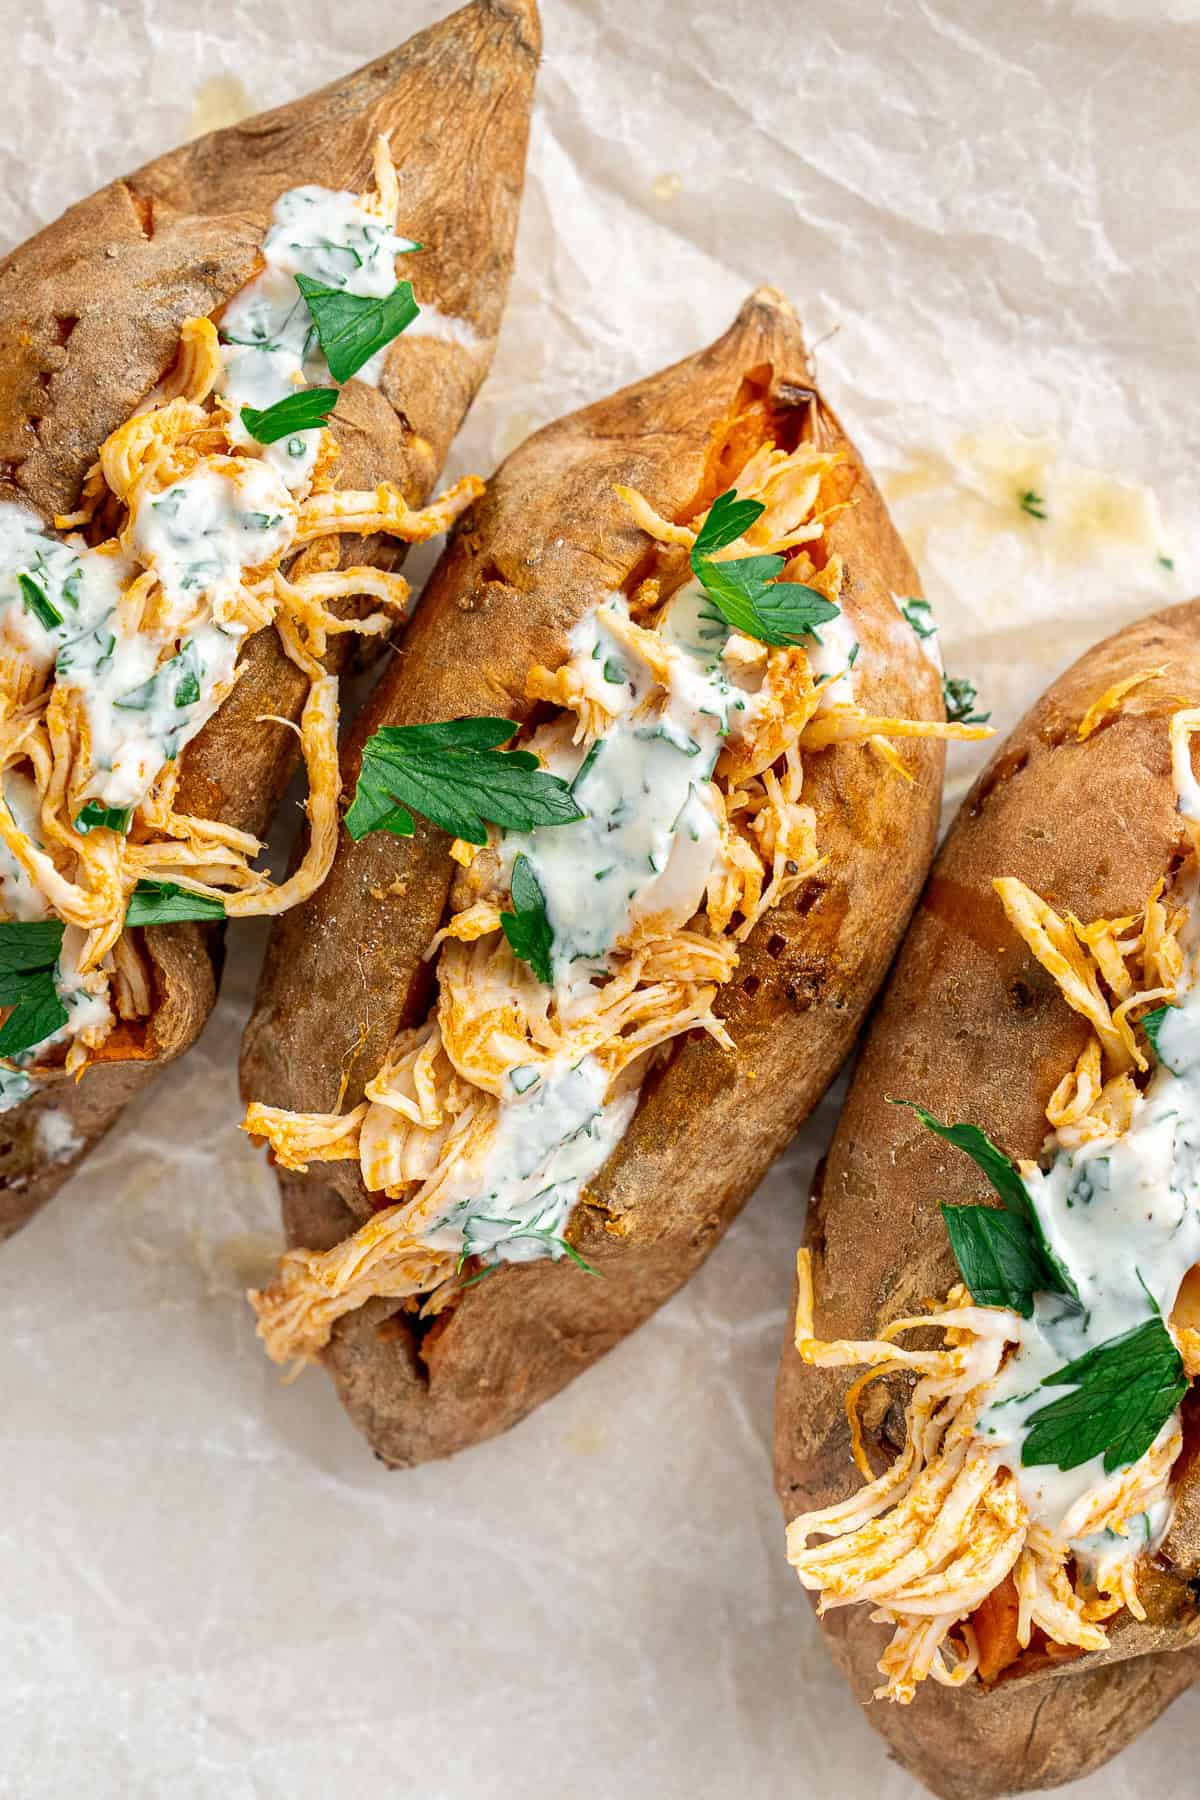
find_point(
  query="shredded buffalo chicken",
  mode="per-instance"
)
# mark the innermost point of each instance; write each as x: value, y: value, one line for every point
x: 933, y: 1540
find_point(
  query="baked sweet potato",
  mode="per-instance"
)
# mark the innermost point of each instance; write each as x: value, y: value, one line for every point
x: 587, y: 522
x: 1007, y: 1010
x: 111, y: 309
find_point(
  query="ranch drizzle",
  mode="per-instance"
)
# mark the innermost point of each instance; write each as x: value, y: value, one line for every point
x: 645, y: 851
x: 1123, y: 1215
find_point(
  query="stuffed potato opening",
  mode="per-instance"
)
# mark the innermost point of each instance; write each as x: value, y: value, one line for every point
x: 1044, y: 1441
x: 578, y: 954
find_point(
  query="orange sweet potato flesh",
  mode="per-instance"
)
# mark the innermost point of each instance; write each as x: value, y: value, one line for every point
x: 344, y: 972
x: 90, y: 311
x: 973, y: 1028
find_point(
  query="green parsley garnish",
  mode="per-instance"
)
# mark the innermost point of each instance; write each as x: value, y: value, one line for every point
x: 959, y: 695
x: 29, y: 951
x: 97, y: 817
x: 187, y: 688
x: 454, y: 775
x: 352, y: 328
x: 1125, y: 1390
x: 35, y: 598
x: 746, y: 592
x: 919, y: 614
x: 305, y: 410
x: 1166, y: 562
x: 166, y: 903
x: 593, y: 752
x: 1003, y: 1255
x: 1033, y: 504
x: 526, y: 927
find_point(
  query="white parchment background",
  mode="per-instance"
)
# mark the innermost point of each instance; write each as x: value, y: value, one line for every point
x: 209, y: 1587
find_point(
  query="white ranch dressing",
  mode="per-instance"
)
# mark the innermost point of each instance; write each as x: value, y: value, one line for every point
x: 644, y: 854
x: 270, y: 345
x: 20, y: 898
x: 918, y: 616
x: 1123, y: 1214
x: 647, y: 847
x: 555, y: 1132
x: 832, y: 653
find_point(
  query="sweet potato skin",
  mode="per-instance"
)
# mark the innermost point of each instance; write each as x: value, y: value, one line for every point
x: 973, y: 1028
x: 344, y: 972
x: 90, y: 311
x: 1021, y: 1736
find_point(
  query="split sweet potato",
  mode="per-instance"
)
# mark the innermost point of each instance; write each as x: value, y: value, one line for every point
x: 549, y: 541
x: 90, y: 316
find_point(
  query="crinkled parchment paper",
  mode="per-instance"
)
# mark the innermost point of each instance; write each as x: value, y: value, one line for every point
x: 986, y: 217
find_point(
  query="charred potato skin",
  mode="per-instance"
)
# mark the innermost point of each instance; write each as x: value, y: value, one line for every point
x: 973, y: 1028
x: 548, y: 541
x: 90, y: 311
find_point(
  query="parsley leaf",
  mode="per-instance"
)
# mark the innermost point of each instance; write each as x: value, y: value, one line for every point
x: 37, y: 1015
x: 1033, y: 504
x: 728, y: 519
x: 959, y: 696
x: 997, y: 1256
x: 96, y: 816
x: 187, y: 688
x: 1010, y: 1258
x: 29, y: 944
x: 1124, y: 1392
x: 1000, y: 1169
x: 166, y: 903
x: 305, y: 410
x: 455, y: 776
x: 352, y: 328
x: 746, y: 592
x: 28, y: 957
x: 526, y: 927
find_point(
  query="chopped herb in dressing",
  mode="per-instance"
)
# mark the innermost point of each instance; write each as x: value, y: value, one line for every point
x: 919, y: 614
x: 34, y: 595
x: 960, y: 696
